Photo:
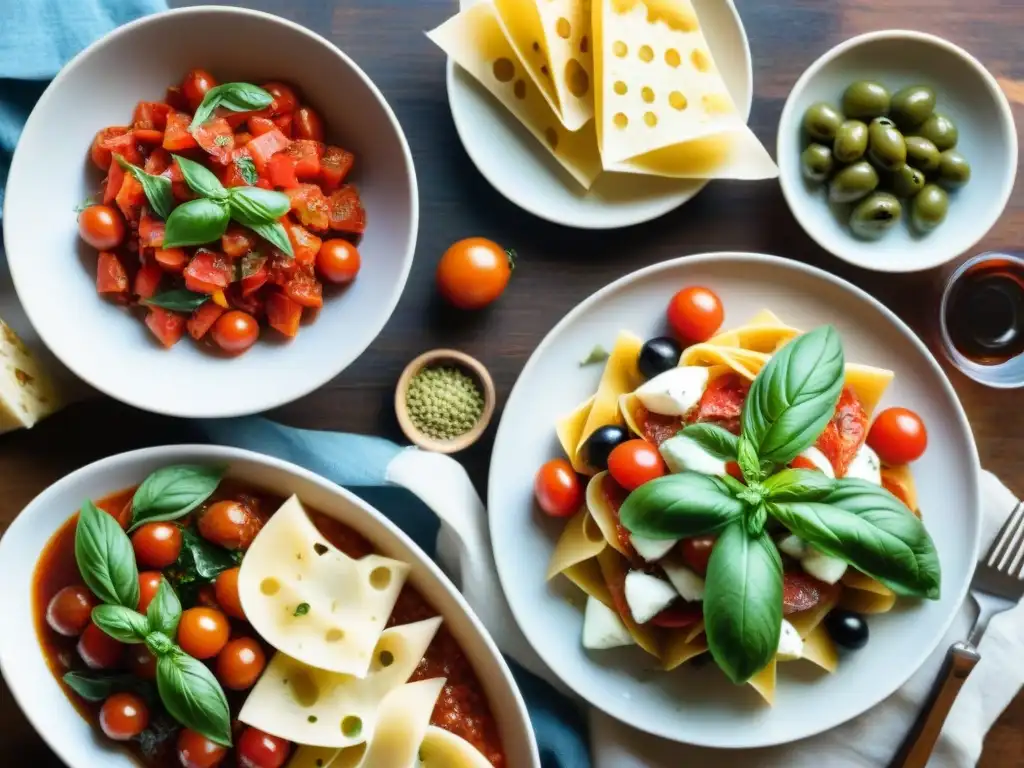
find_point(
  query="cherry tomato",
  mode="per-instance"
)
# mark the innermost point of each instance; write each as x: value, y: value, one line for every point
x: 101, y: 227
x: 235, y: 331
x: 558, y: 488
x: 695, y: 314
x: 802, y: 462
x: 123, y: 716
x: 473, y: 272
x: 285, y: 99
x: 257, y: 749
x: 230, y: 524
x: 203, y: 632
x: 69, y: 610
x: 696, y: 553
x: 898, y: 436
x: 679, y: 615
x: 197, y: 751
x: 98, y: 649
x: 308, y: 125
x: 635, y: 462
x: 338, y: 261
x: 226, y: 590
x: 141, y: 662
x: 149, y: 583
x: 157, y: 545
x: 896, y: 489
x: 195, y: 86
x: 240, y: 664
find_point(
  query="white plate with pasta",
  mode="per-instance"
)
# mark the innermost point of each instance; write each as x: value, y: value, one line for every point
x: 739, y: 522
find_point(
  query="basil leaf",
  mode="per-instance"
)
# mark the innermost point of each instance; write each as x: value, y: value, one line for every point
x: 206, y: 559
x: 794, y: 396
x: 195, y: 223
x: 743, y: 602
x: 681, y: 505
x: 597, y: 355
x: 106, y: 558
x: 178, y: 300
x: 201, y: 179
x: 750, y: 466
x: 193, y: 697
x: 274, y: 233
x: 716, y: 440
x: 798, y: 485
x: 97, y: 686
x: 735, y: 486
x: 121, y: 623
x: 238, y: 97
x: 755, y: 520
x: 870, y: 529
x: 253, y: 204
x: 157, y: 188
x: 159, y: 643
x: 247, y: 169
x: 164, y: 611
x: 173, y: 492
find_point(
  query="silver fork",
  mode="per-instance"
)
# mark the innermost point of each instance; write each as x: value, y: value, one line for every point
x: 997, y: 586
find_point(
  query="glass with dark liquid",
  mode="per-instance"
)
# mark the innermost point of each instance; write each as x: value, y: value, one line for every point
x: 982, y: 319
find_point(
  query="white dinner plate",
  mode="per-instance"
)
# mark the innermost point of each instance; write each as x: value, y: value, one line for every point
x: 699, y: 705
x: 516, y: 165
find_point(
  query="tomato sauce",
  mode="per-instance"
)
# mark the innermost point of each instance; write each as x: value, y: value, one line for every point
x: 462, y: 708
x: 845, y: 433
x: 654, y: 427
x: 615, y: 495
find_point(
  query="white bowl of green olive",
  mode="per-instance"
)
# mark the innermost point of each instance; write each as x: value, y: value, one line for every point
x: 897, y: 151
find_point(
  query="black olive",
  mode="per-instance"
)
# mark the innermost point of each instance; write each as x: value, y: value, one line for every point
x: 847, y: 629
x: 600, y: 444
x: 658, y: 355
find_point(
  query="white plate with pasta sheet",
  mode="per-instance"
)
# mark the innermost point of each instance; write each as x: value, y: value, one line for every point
x: 663, y: 680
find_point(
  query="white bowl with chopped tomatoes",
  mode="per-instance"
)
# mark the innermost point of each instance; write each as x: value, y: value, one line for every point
x: 230, y: 213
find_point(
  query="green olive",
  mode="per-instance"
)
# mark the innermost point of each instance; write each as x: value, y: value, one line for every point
x: 922, y: 154
x: 816, y: 162
x: 906, y: 182
x: 821, y: 121
x: 940, y: 131
x: 875, y: 215
x: 851, y: 141
x: 912, y: 105
x: 886, y: 147
x: 928, y: 209
x: 954, y: 170
x: 853, y: 182
x: 865, y: 100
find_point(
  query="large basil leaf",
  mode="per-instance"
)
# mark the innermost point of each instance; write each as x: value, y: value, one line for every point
x: 798, y: 485
x: 173, y: 492
x: 678, y: 506
x: 748, y: 460
x: 199, y: 563
x: 201, y: 180
x: 193, y: 697
x: 255, y: 204
x: 156, y: 188
x: 716, y: 440
x: 196, y: 222
x: 238, y: 97
x: 274, y: 233
x: 97, y: 686
x: 106, y: 558
x: 743, y: 602
x: 121, y: 623
x: 164, y: 610
x: 794, y: 396
x: 870, y: 529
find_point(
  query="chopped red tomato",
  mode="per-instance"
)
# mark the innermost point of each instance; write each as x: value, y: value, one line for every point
x: 254, y: 276
x: 147, y: 280
x: 305, y: 244
x: 281, y: 171
x: 167, y: 326
x: 251, y: 303
x: 208, y: 272
x: 176, y: 99
x: 151, y: 115
x: 801, y: 592
x: 203, y: 318
x: 237, y: 242
x: 258, y: 125
x: 305, y: 155
x: 334, y: 167
x: 284, y: 124
x: 346, y: 210
x: 151, y: 230
x: 679, y: 615
x: 171, y: 259
x: 232, y: 175
x: 242, y: 138
x: 123, y: 144
x: 845, y: 433
x: 235, y: 119
x: 159, y: 160
x: 305, y: 290
x: 281, y: 268
x: 115, y: 178
x: 111, y: 276
x: 656, y: 428
x: 283, y: 314
x: 176, y: 135
x: 130, y: 198
x: 311, y: 206
x: 216, y: 139
x: 263, y: 147
x: 181, y: 191
x: 696, y: 552
x: 722, y: 402
x: 100, y: 151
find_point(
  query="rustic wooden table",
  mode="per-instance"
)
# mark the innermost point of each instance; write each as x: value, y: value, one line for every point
x: 559, y: 267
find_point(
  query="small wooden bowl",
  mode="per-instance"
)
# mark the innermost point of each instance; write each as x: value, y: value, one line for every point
x: 454, y: 358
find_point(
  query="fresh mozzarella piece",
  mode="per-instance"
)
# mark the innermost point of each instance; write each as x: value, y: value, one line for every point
x: 793, y: 546
x: 681, y: 453
x: 674, y: 392
x: 791, y: 646
x: 647, y: 595
x: 602, y: 627
x: 652, y: 549
x: 819, y: 460
x: 688, y: 584
x: 823, y: 567
x: 866, y: 466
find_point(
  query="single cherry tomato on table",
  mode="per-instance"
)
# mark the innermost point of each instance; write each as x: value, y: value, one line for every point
x: 284, y: 96
x: 141, y: 661
x: 98, y: 649
x: 230, y: 524
x: 898, y: 436
x: 123, y: 716
x: 635, y: 462
x: 558, y: 488
x: 226, y: 591
x: 69, y: 611
x: 474, y: 272
x: 695, y: 314
x: 257, y: 749
x: 203, y: 632
x: 101, y: 227
x: 157, y: 545
x: 308, y: 125
x: 696, y: 553
x: 338, y: 261
x: 149, y: 583
x: 240, y: 663
x: 235, y: 331
x: 195, y: 87
x: 197, y: 751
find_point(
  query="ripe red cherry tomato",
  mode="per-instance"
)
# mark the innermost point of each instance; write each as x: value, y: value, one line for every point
x: 308, y: 124
x: 338, y: 261
x: 123, y: 716
x: 203, y: 632
x: 285, y: 99
x: 142, y: 662
x: 226, y: 591
x: 69, y: 610
x: 101, y: 227
x: 696, y: 553
x: 635, y: 462
x: 235, y: 331
x: 230, y: 524
x: 149, y: 583
x: 157, y: 545
x: 240, y: 663
x: 558, y: 488
x: 197, y: 751
x: 473, y: 273
x: 195, y: 86
x: 257, y: 749
x: 695, y: 314
x: 898, y: 436
x: 98, y: 649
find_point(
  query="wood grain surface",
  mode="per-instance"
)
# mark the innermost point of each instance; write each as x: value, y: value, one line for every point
x: 559, y: 267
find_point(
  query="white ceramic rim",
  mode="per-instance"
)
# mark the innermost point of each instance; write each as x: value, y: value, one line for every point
x: 739, y: 257
x: 304, y: 386
x: 1005, y: 112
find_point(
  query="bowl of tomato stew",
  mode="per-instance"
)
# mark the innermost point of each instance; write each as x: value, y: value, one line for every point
x: 226, y: 219
x: 112, y: 701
